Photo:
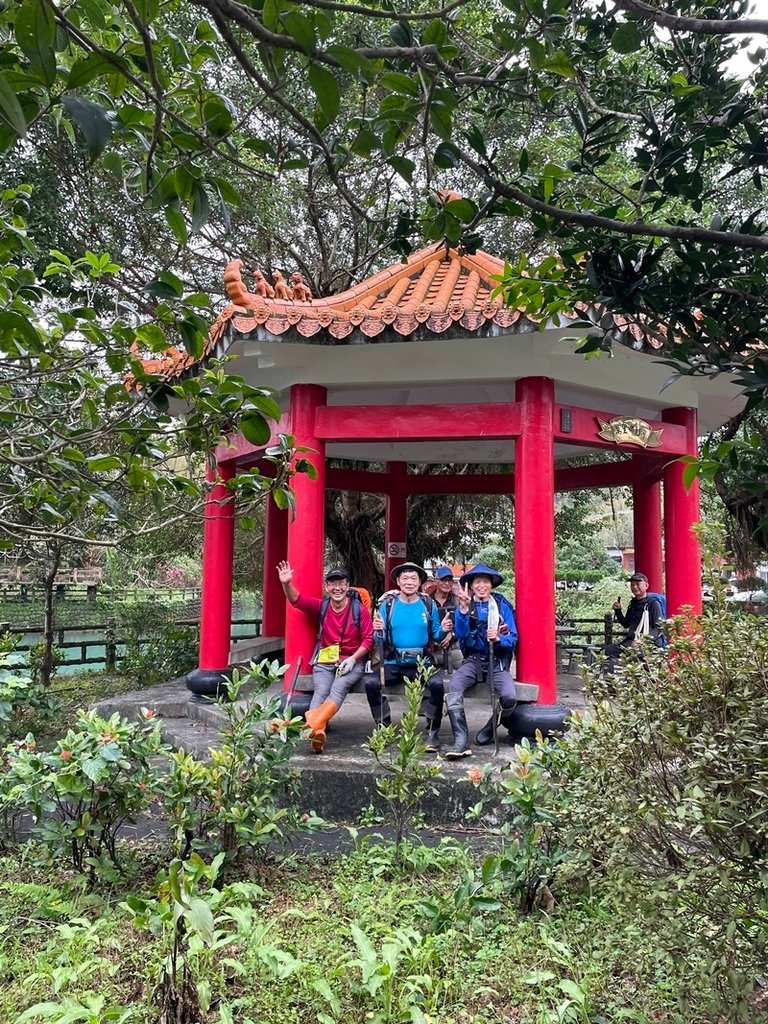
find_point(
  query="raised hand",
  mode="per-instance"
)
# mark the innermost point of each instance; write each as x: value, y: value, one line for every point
x: 284, y: 572
x: 464, y: 596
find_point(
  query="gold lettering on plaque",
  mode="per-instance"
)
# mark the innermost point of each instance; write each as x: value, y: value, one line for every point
x: 629, y: 430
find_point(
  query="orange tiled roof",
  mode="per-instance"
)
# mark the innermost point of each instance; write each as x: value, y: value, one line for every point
x: 436, y: 289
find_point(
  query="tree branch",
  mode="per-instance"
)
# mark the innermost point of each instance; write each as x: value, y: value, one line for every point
x: 700, y: 26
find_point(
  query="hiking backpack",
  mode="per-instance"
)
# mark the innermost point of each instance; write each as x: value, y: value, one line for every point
x: 387, y: 602
x: 356, y: 603
x: 661, y: 598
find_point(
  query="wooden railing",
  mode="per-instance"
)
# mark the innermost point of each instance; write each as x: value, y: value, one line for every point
x: 110, y: 645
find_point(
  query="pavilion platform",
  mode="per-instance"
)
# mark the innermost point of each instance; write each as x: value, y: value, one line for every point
x: 339, y: 785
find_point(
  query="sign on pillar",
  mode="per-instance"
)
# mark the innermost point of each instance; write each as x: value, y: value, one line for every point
x: 396, y: 549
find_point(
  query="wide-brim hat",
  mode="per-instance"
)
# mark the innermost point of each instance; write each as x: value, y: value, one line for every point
x: 483, y: 570
x: 395, y: 574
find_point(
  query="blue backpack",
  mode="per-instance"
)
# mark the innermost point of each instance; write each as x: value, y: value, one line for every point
x: 663, y: 602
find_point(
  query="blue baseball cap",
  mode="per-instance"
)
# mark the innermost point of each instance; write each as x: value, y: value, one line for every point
x: 443, y: 573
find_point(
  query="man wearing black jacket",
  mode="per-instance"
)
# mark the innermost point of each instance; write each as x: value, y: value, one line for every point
x: 636, y: 622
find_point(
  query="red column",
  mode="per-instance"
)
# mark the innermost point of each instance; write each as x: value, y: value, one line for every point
x: 646, y: 514
x: 306, y: 532
x: 218, y: 547
x: 681, y: 510
x: 396, y: 524
x: 535, y: 537
x: 275, y: 550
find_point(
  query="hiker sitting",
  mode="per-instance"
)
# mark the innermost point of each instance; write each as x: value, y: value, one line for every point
x: 643, y: 618
x: 487, y: 632
x: 407, y: 625
x: 344, y: 639
x: 442, y: 589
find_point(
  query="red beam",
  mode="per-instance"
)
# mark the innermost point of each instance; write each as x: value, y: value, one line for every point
x: 606, y: 474
x: 466, y: 422
x: 584, y: 428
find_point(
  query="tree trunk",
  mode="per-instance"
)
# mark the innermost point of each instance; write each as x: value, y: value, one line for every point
x: 46, y: 661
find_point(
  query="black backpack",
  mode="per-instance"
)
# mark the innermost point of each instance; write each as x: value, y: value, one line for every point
x: 387, y: 602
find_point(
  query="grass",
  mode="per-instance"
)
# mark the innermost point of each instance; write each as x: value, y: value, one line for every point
x: 586, y: 962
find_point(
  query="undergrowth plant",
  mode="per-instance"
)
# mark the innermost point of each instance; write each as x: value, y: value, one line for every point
x: 529, y: 805
x: 668, y: 784
x: 24, y: 702
x: 97, y: 779
x: 243, y: 797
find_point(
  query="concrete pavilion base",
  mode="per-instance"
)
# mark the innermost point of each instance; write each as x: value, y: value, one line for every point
x: 339, y: 784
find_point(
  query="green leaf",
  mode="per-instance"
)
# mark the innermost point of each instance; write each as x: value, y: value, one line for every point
x: 403, y: 166
x: 36, y: 36
x: 559, y: 64
x: 177, y: 224
x: 301, y: 29
x: 10, y: 108
x: 200, y: 919
x: 435, y: 33
x: 255, y: 428
x: 627, y: 38
x: 351, y: 61
x: 200, y: 208
x: 104, y: 463
x: 326, y: 89
x: 462, y: 209
x: 93, y: 120
x: 447, y: 155
x: 401, y: 34
x: 85, y: 70
x: 396, y: 81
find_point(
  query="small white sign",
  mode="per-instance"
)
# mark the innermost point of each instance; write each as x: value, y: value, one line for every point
x: 395, y: 550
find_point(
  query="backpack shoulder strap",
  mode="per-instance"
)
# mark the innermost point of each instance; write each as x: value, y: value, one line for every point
x: 325, y: 604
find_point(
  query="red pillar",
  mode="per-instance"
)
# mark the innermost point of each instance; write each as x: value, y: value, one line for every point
x: 218, y: 547
x: 306, y: 532
x: 535, y: 537
x: 646, y: 513
x: 275, y: 550
x: 396, y: 524
x: 681, y: 510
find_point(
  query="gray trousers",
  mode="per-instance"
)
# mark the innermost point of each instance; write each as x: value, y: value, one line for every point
x: 475, y: 670
x: 330, y: 686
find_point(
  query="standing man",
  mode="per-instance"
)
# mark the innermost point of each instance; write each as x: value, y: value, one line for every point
x: 408, y: 624
x: 485, y: 622
x: 344, y: 639
x: 643, y: 618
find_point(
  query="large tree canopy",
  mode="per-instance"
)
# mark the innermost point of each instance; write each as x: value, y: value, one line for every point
x: 648, y: 188
x: 608, y: 150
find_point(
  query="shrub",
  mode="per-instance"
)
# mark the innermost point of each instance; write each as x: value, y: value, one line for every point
x: 243, y: 797
x: 96, y: 780
x: 163, y: 657
x: 23, y: 701
x: 398, y: 750
x: 668, y: 780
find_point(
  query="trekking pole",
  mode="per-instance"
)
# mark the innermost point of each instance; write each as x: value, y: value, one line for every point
x: 292, y: 688
x: 494, y: 723
x: 382, y: 673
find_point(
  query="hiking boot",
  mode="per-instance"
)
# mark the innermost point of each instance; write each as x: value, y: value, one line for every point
x: 460, y: 748
x: 432, y: 736
x: 317, y: 719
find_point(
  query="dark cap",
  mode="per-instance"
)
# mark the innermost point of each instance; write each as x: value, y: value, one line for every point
x: 443, y: 573
x: 336, y: 574
x: 408, y: 567
x: 638, y: 577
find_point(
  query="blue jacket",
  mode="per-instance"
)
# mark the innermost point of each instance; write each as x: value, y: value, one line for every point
x: 471, y: 628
